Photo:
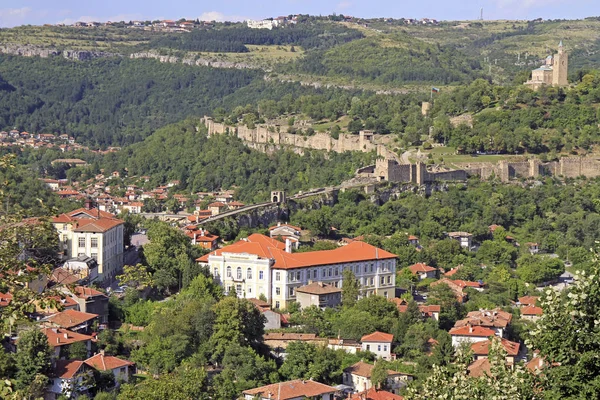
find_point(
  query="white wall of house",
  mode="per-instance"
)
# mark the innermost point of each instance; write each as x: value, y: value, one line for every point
x: 380, y: 349
x: 457, y: 340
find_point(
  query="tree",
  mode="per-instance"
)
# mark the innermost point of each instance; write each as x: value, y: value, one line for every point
x: 443, y: 351
x: 136, y: 276
x: 567, y: 337
x: 450, y: 309
x: 32, y: 358
x: 187, y: 382
x: 379, y: 374
x: 350, y: 288
x: 78, y: 351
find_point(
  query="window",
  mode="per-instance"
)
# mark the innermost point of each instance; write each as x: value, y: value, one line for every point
x: 389, y: 279
x: 81, y: 242
x: 249, y: 290
x: 372, y: 281
x: 216, y: 272
x: 238, y: 273
x: 238, y: 290
x: 371, y: 267
x: 382, y: 280
x: 385, y: 347
x: 365, y: 269
x: 229, y: 272
x: 278, y: 291
x: 249, y: 273
x: 330, y: 270
x: 291, y: 291
x: 94, y: 256
x: 335, y: 272
x: 378, y: 347
x: 298, y: 275
x: 368, y: 347
x: 385, y: 294
x: 276, y: 304
x: 94, y: 242
x: 260, y: 274
x: 277, y: 276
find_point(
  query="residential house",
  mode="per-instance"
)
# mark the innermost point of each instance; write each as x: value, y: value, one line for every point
x: 5, y: 299
x: 534, y: 248
x: 464, y: 238
x: 236, y: 205
x: 531, y: 313
x: 202, y: 238
x: 319, y: 294
x: 135, y: 207
x: 358, y: 376
x: 378, y: 343
x: 427, y: 311
x: 470, y: 334
x: 528, y: 300
x: 55, y: 304
x: 285, y: 231
x: 121, y: 369
x: 60, y: 339
x: 261, y: 265
x: 73, y: 320
x: 68, y: 379
x: 479, y: 368
x: 482, y: 350
x: 298, y: 389
x: 217, y: 207
x: 348, y: 345
x: 413, y: 240
x: 375, y: 394
x: 92, y: 301
x: 423, y: 271
x: 93, y: 233
x: 53, y: 184
x: 272, y: 318
x: 496, y: 320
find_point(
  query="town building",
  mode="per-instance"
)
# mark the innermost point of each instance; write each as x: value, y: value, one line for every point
x: 285, y: 231
x: 93, y: 233
x: 203, y: 238
x: 378, y: 343
x: 259, y: 265
x: 470, y: 334
x: 531, y: 313
x: 358, y: 376
x: 272, y: 318
x: 121, y: 369
x: 482, y: 350
x: 60, y: 339
x: 464, y: 238
x: 496, y: 320
x: 423, y: 271
x: 553, y: 73
x: 68, y: 379
x: 319, y: 294
x: 72, y: 320
x: 298, y: 389
x: 91, y: 301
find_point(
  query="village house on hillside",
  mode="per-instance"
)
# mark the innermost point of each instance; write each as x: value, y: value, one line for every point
x: 358, y: 376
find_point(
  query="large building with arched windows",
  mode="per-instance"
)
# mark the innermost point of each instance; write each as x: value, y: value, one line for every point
x: 259, y: 265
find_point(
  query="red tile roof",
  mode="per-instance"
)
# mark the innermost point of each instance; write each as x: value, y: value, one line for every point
x: 495, y: 318
x: 318, y: 288
x: 291, y: 389
x: 529, y: 300
x: 216, y: 204
x: 420, y: 268
x: 378, y: 337
x: 60, y: 337
x: 477, y: 331
x: 284, y: 225
x: 92, y: 220
x: 85, y: 292
x: 268, y: 248
x: 375, y: 394
x: 479, y: 368
x: 66, y: 369
x: 102, y: 362
x: 532, y: 310
x: 71, y: 318
x: 483, y: 348
x: 5, y: 299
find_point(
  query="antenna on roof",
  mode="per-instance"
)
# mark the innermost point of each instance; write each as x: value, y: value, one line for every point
x: 481, y: 14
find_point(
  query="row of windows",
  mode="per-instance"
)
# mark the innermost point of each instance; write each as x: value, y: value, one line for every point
x: 238, y: 273
x: 93, y: 242
x: 378, y: 347
x: 336, y: 271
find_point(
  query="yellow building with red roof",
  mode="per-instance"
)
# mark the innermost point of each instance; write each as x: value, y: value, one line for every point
x: 261, y: 265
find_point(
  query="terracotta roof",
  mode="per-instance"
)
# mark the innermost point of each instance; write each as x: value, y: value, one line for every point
x: 479, y: 368
x: 490, y: 318
x: 296, y: 228
x: 97, y: 225
x: 66, y: 369
x: 433, y: 308
x: 478, y: 331
x: 375, y: 394
x: 483, y: 348
x: 289, y: 336
x: 459, y: 234
x: 378, y: 337
x: 318, y: 288
x: 268, y: 248
x: 65, y: 301
x: 464, y: 284
x: 531, y: 310
x: 60, y: 337
x: 61, y: 276
x: 217, y: 204
x: 85, y: 292
x: 237, y: 204
x: 5, y: 299
x: 364, y: 369
x: 92, y: 220
x: 291, y: 389
x: 412, y: 237
x: 452, y: 271
x: 420, y: 267
x: 259, y: 303
x: 528, y: 300
x: 71, y: 318
x: 102, y: 362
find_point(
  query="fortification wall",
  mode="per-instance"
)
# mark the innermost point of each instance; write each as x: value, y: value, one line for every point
x: 572, y: 167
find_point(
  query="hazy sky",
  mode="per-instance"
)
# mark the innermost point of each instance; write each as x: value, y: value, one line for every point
x: 18, y: 12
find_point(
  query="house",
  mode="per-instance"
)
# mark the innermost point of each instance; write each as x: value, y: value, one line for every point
x: 319, y: 294
x: 298, y: 389
x: 528, y: 300
x: 217, y: 207
x: 482, y: 350
x: 261, y: 265
x: 427, y: 311
x: 464, y: 238
x: 92, y: 301
x: 423, y: 271
x: 348, y: 345
x: 531, y: 313
x: 203, y: 238
x: 378, y: 343
x: 236, y: 205
x: 5, y: 299
x: 272, y: 318
x: 121, y: 369
x: 479, y: 368
x: 93, y: 233
x: 68, y: 379
x: 285, y: 231
x: 60, y: 339
x: 53, y: 184
x: 375, y: 394
x: 134, y: 207
x: 84, y: 267
x: 534, y: 248
x: 413, y: 240
x: 496, y: 320
x: 470, y: 334
x: 72, y: 320
x: 358, y: 376
x: 54, y: 304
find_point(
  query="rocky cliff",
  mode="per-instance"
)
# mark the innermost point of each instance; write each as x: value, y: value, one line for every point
x: 36, y: 51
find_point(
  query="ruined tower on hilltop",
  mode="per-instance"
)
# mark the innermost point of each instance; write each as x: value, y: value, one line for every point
x: 560, y: 66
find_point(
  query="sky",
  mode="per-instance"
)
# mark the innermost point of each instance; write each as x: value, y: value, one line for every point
x: 38, y: 12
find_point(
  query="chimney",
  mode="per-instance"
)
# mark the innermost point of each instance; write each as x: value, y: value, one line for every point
x: 288, y: 245
x: 279, y: 224
x: 470, y: 328
x: 102, y: 352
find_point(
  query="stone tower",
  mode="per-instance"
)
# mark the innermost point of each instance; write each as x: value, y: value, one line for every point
x: 560, y: 67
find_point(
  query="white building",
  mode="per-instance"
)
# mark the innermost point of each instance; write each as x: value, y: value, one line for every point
x: 358, y: 376
x: 378, y: 343
x: 263, y: 24
x: 470, y: 334
x: 121, y: 369
x: 261, y: 265
x: 93, y: 233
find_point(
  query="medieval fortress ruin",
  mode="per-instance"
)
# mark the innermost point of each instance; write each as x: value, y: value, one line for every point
x: 389, y: 168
